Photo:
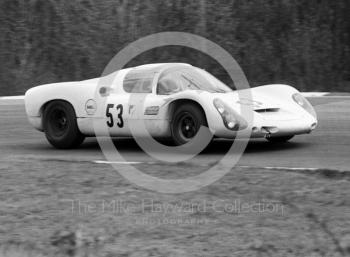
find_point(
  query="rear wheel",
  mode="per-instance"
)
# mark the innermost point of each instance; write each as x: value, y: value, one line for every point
x: 60, y: 125
x: 187, y: 120
x: 279, y: 139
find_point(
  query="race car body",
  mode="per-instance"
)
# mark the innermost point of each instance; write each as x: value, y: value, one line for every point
x: 172, y: 99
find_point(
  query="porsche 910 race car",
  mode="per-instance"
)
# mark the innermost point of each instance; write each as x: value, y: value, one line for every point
x: 178, y: 100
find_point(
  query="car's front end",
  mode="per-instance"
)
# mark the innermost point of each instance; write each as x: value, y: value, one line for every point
x: 261, y: 115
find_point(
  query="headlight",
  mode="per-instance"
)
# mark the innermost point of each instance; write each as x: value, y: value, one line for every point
x: 300, y: 100
x: 231, y: 119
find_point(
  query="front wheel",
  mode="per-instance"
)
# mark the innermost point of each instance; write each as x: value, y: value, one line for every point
x: 60, y: 125
x: 279, y: 139
x: 187, y: 120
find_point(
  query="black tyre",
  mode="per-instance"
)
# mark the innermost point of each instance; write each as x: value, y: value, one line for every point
x: 186, y: 122
x: 60, y: 125
x: 279, y: 139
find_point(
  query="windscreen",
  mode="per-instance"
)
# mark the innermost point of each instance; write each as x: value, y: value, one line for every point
x: 189, y: 78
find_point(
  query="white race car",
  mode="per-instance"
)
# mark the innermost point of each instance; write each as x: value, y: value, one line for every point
x: 178, y: 100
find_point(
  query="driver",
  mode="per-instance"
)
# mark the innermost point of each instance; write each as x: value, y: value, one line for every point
x: 167, y: 86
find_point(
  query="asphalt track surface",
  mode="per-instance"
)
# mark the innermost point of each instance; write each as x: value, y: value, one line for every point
x: 310, y: 214
x: 326, y: 148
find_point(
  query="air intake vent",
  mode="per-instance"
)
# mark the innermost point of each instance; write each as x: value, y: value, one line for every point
x: 267, y: 110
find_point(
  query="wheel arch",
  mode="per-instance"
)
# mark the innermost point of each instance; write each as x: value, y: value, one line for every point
x: 38, y: 122
x: 174, y: 104
x: 45, y: 104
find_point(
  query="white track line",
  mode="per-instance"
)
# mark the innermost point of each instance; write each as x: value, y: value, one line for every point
x: 244, y: 167
x: 314, y: 94
x: 279, y: 168
x: 109, y: 162
x: 331, y: 96
x: 17, y: 97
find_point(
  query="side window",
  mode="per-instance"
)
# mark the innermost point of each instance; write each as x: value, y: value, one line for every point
x: 138, y: 82
x: 138, y: 86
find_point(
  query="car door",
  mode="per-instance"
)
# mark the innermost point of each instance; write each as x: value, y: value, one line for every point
x: 117, y: 114
x: 122, y: 105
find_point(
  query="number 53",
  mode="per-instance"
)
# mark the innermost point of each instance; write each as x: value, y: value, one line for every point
x: 110, y: 122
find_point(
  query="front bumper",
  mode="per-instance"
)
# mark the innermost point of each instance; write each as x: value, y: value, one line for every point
x: 262, y: 128
x: 284, y: 128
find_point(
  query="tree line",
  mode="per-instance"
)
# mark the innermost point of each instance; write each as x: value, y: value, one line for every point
x: 304, y: 43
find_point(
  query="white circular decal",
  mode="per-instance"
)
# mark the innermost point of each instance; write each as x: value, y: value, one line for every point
x: 90, y: 107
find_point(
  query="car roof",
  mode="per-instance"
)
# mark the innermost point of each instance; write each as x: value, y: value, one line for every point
x: 159, y: 67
